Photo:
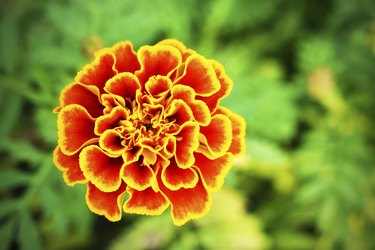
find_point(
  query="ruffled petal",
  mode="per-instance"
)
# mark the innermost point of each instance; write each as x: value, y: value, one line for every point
x: 213, y: 171
x: 158, y: 86
x: 69, y: 165
x: 199, y: 109
x: 175, y: 177
x: 238, y: 145
x: 100, y: 169
x: 126, y: 58
x: 138, y: 175
x: 185, y: 52
x: 200, y: 75
x: 157, y: 60
x: 146, y: 202
x: 100, y: 71
x: 217, y: 136
x: 111, y: 141
x: 75, y: 129
x: 124, y: 85
x: 179, y: 112
x: 187, y: 142
x: 105, y: 203
x: 226, y: 85
x: 111, y: 120
x: 187, y: 204
x: 84, y: 95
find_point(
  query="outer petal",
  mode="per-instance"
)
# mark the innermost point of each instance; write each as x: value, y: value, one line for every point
x: 238, y: 146
x: 102, y: 170
x: 217, y: 136
x: 213, y: 171
x: 180, y: 46
x: 138, y: 176
x: 187, y: 204
x: 126, y: 58
x: 124, y: 85
x: 187, y: 143
x: 84, y: 95
x: 69, y: 165
x: 105, y: 203
x: 75, y: 129
x: 111, y: 120
x: 100, y: 71
x: 200, y: 75
x: 157, y: 60
x: 147, y: 202
x: 175, y: 177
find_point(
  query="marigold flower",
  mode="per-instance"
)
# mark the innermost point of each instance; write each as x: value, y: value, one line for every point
x: 149, y: 124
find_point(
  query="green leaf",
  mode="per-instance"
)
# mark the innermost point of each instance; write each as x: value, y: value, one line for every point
x: 46, y: 122
x: 12, y: 178
x: 28, y: 234
x: 9, y: 45
x: 6, y: 234
x: 8, y: 206
x: 10, y: 110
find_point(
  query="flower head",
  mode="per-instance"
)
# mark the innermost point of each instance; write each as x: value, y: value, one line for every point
x: 149, y: 124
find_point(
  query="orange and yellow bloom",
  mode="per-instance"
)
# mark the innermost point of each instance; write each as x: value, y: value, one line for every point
x: 149, y: 124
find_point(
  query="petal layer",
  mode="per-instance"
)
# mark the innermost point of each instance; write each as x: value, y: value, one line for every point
x: 146, y: 202
x: 138, y: 176
x: 175, y: 177
x: 69, y: 165
x: 105, y: 203
x: 187, y: 143
x: 100, y: 169
x: 126, y: 58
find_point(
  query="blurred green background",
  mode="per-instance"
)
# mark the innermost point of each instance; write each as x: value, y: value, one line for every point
x: 304, y: 75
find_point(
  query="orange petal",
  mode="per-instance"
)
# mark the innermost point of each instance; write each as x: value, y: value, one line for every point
x: 132, y: 154
x: 111, y: 141
x: 175, y: 177
x: 217, y: 136
x: 213, y: 171
x: 111, y: 101
x: 226, y: 85
x: 69, y: 165
x: 187, y: 204
x: 170, y: 147
x: 158, y: 85
x: 75, y: 129
x: 187, y: 143
x: 100, y: 169
x: 105, y: 203
x: 179, y: 112
x: 157, y: 60
x: 138, y: 175
x: 200, y: 75
x: 86, y: 96
x: 199, y: 109
x: 180, y: 46
x: 146, y: 202
x: 100, y: 71
x: 124, y: 85
x: 238, y: 146
x: 126, y: 58
x: 111, y: 120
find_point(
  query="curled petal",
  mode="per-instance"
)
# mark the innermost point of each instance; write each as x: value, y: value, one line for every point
x: 146, y: 202
x: 213, y: 171
x: 98, y: 72
x: 185, y: 52
x: 158, y: 85
x: 200, y: 75
x: 238, y: 145
x: 170, y: 147
x: 226, y: 85
x: 217, y: 136
x: 105, y: 203
x: 175, y: 177
x: 124, y: 85
x: 69, y: 165
x: 126, y: 58
x: 187, y: 203
x: 75, y: 129
x: 132, y: 154
x: 157, y: 60
x: 187, y: 142
x: 199, y: 109
x: 100, y: 169
x: 138, y: 175
x: 179, y: 112
x: 111, y: 141
x: 111, y: 101
x: 84, y: 95
x: 111, y: 120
